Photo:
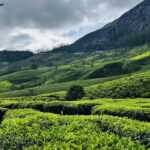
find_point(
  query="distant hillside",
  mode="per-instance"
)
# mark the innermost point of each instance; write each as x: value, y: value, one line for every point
x: 12, y: 56
x: 131, y: 29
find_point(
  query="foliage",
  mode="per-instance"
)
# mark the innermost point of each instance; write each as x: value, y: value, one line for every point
x: 133, y: 86
x: 12, y: 56
x: 41, y: 83
x: 75, y: 92
x: 5, y: 86
x: 50, y: 88
x: 144, y: 55
x: 130, y: 66
x: 132, y: 108
x: 67, y: 108
x: 70, y: 68
x: 2, y: 112
x: 123, y: 111
x: 35, y: 130
x: 111, y: 69
x: 34, y: 66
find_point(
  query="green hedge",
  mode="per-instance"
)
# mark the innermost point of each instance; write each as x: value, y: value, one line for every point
x: 55, y: 107
x: 2, y: 112
x: 138, y: 113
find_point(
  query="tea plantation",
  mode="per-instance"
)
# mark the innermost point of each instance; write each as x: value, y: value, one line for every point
x: 111, y: 113
x: 30, y: 129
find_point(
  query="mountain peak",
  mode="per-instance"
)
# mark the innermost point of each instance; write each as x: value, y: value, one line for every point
x: 135, y: 20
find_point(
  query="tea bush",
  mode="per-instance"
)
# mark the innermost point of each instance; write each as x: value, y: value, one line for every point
x: 123, y: 111
x: 30, y: 129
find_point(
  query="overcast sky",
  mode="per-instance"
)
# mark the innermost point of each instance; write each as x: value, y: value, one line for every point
x: 43, y: 24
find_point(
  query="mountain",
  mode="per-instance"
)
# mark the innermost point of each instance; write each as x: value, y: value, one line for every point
x: 131, y: 29
x: 12, y: 56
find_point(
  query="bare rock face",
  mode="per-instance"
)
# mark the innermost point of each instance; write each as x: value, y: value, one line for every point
x: 136, y: 19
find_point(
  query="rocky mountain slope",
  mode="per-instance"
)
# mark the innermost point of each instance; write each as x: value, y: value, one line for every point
x: 133, y: 24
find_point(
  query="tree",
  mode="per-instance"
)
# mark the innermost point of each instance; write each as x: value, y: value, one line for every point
x: 83, y: 63
x: 56, y: 67
x: 13, y: 87
x: 34, y: 66
x: 92, y: 63
x: 127, y: 66
x: 130, y: 66
x: 75, y: 92
x: 13, y: 67
x: 31, y: 92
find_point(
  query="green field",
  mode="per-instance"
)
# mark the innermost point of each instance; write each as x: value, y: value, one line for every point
x: 114, y: 113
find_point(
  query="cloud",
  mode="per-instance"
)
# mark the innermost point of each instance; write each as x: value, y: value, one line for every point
x: 46, y: 23
x: 19, y: 41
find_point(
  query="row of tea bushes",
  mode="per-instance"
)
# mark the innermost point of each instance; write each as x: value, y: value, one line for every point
x: 136, y: 109
x: 129, y: 87
x: 30, y: 129
x: 2, y: 112
x: 57, y: 107
x: 138, y: 113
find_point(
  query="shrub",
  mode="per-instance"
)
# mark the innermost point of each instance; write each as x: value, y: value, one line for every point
x: 146, y: 95
x: 30, y: 129
x: 128, y: 87
x: 85, y: 109
x: 75, y: 92
x: 138, y: 113
x: 2, y: 112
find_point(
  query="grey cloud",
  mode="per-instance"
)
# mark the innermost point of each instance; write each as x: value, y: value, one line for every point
x: 55, y: 16
x: 51, y: 14
x: 19, y: 41
x: 21, y: 37
x: 122, y: 3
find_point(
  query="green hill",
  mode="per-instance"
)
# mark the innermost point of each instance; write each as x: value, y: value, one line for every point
x: 58, y: 71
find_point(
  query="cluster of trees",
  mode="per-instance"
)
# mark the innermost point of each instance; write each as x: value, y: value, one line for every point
x: 12, y: 56
x: 15, y: 66
x: 124, y: 40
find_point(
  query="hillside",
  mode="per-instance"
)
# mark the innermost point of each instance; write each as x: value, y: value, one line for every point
x: 131, y: 29
x: 58, y: 71
x: 12, y: 56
